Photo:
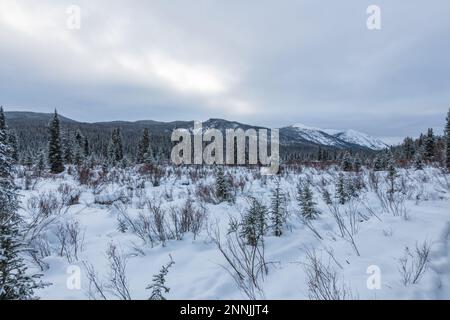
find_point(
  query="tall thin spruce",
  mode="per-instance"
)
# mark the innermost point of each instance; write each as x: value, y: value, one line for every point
x: 55, y: 156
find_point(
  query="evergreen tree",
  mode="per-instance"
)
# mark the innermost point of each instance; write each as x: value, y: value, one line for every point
x: 430, y: 144
x: 254, y: 223
x: 2, y: 120
x: 115, y: 149
x: 86, y: 147
x: 341, y: 191
x: 378, y: 164
x: 55, y: 157
x: 143, y: 147
x: 392, y: 175
x: 447, y: 138
x: 40, y: 165
x: 408, y: 148
x: 222, y: 188
x: 347, y: 163
x: 278, y: 210
x: 306, y: 202
x: 418, y: 162
x: 158, y: 286
x: 15, y: 283
x: 68, y: 153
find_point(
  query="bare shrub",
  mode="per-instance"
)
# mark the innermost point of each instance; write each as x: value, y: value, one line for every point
x: 187, y: 219
x: 43, y: 210
x: 347, y: 222
x: 69, y: 195
x: 323, y: 281
x: 414, y: 263
x: 246, y: 264
x: 205, y: 193
x: 116, y: 282
x: 71, y: 240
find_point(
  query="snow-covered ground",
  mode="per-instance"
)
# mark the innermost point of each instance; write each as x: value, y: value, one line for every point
x: 381, y: 231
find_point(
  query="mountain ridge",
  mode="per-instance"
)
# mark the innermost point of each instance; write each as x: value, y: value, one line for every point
x: 290, y: 136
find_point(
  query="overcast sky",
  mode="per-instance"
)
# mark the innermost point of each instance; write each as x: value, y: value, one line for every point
x: 269, y: 63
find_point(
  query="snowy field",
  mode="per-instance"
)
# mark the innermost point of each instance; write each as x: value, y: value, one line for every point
x: 376, y: 245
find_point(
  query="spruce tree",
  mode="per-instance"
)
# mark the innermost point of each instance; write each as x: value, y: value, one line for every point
x: 254, y: 222
x: 347, y: 163
x: 430, y: 145
x: 143, y: 147
x: 158, y: 286
x: 447, y: 138
x: 418, y: 161
x: 15, y: 283
x: 12, y: 142
x: 222, y: 188
x: 2, y: 120
x: 115, y: 148
x: 392, y: 175
x: 341, y: 191
x: 306, y: 202
x: 278, y: 210
x: 86, y: 147
x: 55, y: 157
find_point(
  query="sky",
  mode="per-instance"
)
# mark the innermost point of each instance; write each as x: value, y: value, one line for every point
x: 270, y: 63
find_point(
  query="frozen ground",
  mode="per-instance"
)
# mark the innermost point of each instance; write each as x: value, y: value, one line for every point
x: 381, y: 231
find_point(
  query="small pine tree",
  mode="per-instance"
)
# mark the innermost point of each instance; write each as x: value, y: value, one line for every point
x: 347, y: 163
x: 378, y: 164
x: 115, y: 148
x: 254, y: 222
x: 447, y: 138
x: 2, y: 119
x: 418, y: 162
x: 86, y: 147
x: 143, y: 147
x: 158, y: 285
x: 40, y: 165
x: 12, y: 142
x: 408, y: 148
x: 306, y: 202
x: 222, y: 188
x: 278, y: 210
x: 430, y: 145
x: 341, y: 190
x: 392, y: 175
x: 55, y: 157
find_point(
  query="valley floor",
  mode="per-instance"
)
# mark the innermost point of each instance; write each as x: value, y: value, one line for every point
x: 385, y: 235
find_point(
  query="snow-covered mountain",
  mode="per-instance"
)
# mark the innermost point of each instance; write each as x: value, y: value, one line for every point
x: 300, y: 133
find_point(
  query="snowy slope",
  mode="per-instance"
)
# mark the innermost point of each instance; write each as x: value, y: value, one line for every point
x: 333, y: 137
x: 361, y: 139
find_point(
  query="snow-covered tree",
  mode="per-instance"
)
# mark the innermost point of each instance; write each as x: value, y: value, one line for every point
x: 306, y: 202
x: 254, y: 222
x: 15, y: 282
x: 392, y: 175
x: 222, y: 188
x: 278, y: 209
x: 430, y: 145
x: 2, y: 119
x: 55, y: 157
x: 158, y: 285
x: 347, y: 163
x: 115, y: 148
x: 418, y: 161
x: 341, y: 191
x: 447, y: 138
x: 143, y: 147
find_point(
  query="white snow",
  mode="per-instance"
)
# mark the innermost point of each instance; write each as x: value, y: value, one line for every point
x: 380, y: 238
x: 322, y: 136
